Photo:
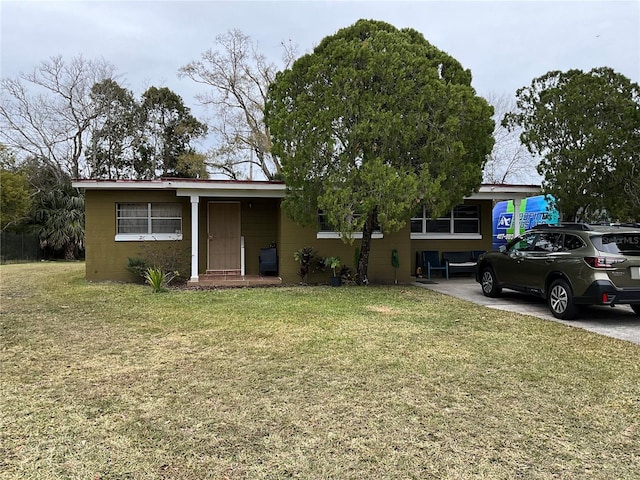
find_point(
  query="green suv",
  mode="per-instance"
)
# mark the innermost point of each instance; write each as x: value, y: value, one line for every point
x: 570, y: 265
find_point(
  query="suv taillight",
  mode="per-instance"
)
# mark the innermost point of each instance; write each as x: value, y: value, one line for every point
x: 603, y: 262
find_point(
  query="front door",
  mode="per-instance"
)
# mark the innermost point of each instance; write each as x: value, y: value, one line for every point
x: 224, y: 238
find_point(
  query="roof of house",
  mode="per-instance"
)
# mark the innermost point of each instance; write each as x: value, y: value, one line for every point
x: 192, y: 187
x: 271, y: 189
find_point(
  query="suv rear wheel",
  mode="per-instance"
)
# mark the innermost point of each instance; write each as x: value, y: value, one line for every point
x: 489, y: 283
x: 636, y: 309
x: 560, y: 300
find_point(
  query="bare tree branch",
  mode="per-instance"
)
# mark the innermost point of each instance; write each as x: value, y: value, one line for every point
x: 510, y: 161
x: 47, y: 113
x: 239, y: 76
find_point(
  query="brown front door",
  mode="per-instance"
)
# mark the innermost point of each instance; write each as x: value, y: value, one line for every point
x: 224, y: 237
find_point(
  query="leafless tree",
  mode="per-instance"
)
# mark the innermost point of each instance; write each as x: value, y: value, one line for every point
x: 239, y: 76
x: 47, y: 113
x: 510, y: 161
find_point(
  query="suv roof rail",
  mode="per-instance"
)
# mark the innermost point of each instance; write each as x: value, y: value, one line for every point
x: 566, y: 226
x: 623, y: 224
x: 614, y: 225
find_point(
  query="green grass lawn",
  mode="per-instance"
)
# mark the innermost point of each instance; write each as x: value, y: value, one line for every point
x: 111, y: 381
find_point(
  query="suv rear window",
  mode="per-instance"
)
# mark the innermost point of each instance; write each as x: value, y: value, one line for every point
x: 623, y: 243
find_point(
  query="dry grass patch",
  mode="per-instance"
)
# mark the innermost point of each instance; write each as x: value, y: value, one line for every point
x: 110, y: 381
x: 383, y: 309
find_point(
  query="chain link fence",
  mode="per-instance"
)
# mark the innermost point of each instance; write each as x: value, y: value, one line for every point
x: 19, y: 247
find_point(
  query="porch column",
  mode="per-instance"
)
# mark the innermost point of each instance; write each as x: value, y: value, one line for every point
x: 516, y: 216
x: 195, y: 202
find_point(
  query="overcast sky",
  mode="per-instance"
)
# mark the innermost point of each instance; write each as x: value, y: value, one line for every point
x: 505, y: 43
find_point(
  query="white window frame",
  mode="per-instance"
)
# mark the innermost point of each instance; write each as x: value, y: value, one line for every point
x: 451, y: 235
x: 332, y: 235
x: 148, y: 236
x: 337, y: 235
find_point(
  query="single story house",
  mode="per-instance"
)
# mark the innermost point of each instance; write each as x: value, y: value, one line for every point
x: 222, y: 225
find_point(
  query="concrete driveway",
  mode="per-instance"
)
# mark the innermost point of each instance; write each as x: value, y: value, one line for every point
x: 618, y: 322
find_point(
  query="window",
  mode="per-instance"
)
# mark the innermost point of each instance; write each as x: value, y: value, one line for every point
x: 148, y: 221
x: 325, y: 230
x: 323, y: 225
x: 525, y: 243
x: 462, y: 221
x: 548, y: 242
x: 618, y: 243
x: 571, y: 242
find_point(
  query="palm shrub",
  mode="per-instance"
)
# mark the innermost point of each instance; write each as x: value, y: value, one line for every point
x: 59, y: 217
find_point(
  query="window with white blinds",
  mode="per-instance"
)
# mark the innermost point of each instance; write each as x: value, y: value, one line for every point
x: 148, y: 221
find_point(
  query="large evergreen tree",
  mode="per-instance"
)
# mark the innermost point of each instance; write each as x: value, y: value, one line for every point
x: 146, y: 139
x: 371, y: 123
x: 168, y: 128
x: 115, y: 134
x: 586, y: 128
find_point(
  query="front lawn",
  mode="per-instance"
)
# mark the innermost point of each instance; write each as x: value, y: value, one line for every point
x: 110, y: 381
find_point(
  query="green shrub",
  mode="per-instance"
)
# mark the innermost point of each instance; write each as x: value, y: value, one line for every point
x: 309, y: 261
x: 138, y: 266
x: 157, y: 279
x: 165, y: 256
x: 347, y: 275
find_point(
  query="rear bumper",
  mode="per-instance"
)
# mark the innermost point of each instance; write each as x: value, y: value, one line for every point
x: 602, y: 292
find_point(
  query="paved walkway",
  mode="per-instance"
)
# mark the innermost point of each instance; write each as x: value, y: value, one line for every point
x: 618, y: 322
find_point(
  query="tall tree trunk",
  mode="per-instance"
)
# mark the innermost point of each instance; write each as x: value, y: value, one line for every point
x: 70, y: 251
x: 365, y: 248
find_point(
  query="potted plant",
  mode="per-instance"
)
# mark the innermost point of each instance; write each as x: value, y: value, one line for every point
x: 334, y: 264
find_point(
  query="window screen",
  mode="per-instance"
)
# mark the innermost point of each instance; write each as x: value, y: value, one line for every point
x: 462, y: 219
x: 148, y: 218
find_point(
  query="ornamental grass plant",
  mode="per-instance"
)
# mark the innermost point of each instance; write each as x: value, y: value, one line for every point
x: 157, y: 279
x: 109, y: 381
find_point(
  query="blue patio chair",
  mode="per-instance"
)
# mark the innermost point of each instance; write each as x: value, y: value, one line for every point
x: 268, y: 261
x: 431, y: 261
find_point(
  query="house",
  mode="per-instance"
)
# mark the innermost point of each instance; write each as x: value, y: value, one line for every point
x: 223, y: 224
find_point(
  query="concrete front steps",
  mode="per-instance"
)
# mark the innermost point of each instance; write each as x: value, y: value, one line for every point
x: 233, y: 279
